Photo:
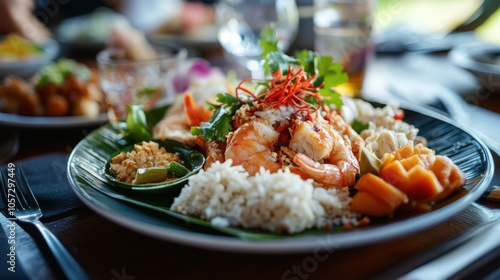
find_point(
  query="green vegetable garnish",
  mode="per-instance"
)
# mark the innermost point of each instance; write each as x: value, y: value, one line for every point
x: 269, y: 44
x: 150, y: 175
x: 176, y: 169
x: 136, y: 126
x: 159, y: 173
x: 219, y: 124
x: 359, y: 126
x: 55, y: 73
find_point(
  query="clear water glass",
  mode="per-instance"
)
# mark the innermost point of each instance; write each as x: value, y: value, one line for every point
x: 240, y: 23
x: 138, y: 82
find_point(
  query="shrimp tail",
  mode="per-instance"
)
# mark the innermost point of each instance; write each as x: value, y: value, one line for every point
x: 326, y: 174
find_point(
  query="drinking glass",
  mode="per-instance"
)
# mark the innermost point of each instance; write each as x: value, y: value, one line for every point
x: 138, y: 82
x: 343, y: 28
x: 240, y: 23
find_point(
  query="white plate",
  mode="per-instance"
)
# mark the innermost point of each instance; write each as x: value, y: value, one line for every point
x: 86, y: 176
x: 28, y: 67
x: 51, y: 122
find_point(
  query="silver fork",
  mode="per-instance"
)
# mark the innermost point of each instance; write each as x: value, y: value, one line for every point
x: 15, y: 189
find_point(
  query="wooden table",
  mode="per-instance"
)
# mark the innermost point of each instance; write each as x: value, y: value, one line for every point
x: 109, y: 251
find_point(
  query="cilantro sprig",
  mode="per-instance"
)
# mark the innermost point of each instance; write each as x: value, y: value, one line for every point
x: 219, y: 125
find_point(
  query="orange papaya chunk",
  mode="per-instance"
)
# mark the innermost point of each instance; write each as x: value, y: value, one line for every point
x: 368, y: 204
x: 423, y: 185
x: 448, y: 174
x: 388, y: 158
x: 410, y: 162
x: 420, y: 149
x: 405, y: 152
x: 395, y: 174
x: 441, y: 167
x: 379, y: 188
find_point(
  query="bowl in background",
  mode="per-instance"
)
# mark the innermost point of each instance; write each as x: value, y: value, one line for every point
x: 26, y: 68
x: 480, y: 59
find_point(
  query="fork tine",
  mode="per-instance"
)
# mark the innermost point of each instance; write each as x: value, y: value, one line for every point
x: 21, y: 203
x: 25, y: 193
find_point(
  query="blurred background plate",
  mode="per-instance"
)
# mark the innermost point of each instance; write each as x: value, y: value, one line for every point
x: 482, y: 60
x: 28, y: 67
x: 199, y: 42
x: 18, y: 121
x: 86, y: 33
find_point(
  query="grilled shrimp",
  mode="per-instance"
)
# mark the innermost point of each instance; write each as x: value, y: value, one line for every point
x: 214, y: 152
x: 252, y: 146
x: 312, y: 139
x: 340, y: 165
x: 340, y: 124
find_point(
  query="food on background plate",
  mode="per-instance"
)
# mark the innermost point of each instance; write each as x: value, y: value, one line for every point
x: 62, y: 88
x: 16, y: 48
x: 194, y: 20
x: 132, y: 41
x: 92, y: 27
x: 288, y: 153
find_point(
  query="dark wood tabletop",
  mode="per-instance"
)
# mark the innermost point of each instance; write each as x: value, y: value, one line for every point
x: 109, y: 251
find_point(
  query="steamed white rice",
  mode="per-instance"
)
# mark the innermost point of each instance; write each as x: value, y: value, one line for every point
x: 226, y: 195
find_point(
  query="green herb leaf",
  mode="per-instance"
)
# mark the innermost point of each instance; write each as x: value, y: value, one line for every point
x: 359, y: 126
x: 137, y: 126
x: 217, y: 127
x: 229, y: 100
x: 307, y: 59
x: 332, y: 75
x: 269, y: 44
x: 56, y: 72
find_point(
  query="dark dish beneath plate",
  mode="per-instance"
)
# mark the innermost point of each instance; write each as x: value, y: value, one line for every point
x: 152, y: 216
x: 480, y: 59
x: 192, y: 159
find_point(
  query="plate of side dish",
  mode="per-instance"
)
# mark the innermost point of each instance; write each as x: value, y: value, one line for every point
x: 27, y: 58
x: 152, y: 215
x: 62, y: 94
